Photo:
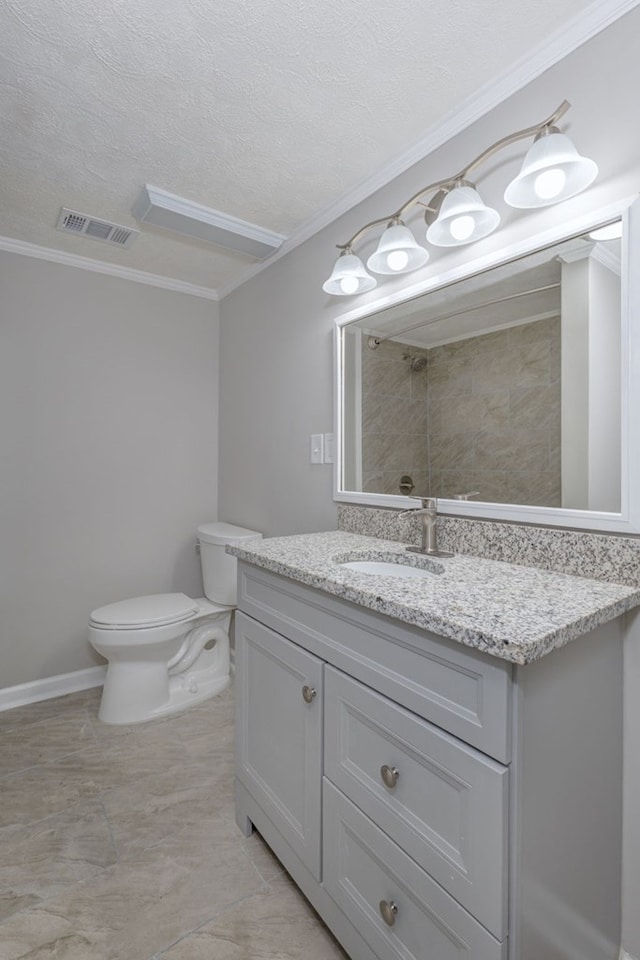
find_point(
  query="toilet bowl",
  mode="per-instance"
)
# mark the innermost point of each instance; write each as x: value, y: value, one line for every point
x: 167, y: 652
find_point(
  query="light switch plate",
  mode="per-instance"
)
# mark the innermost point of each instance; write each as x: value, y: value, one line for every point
x: 316, y: 452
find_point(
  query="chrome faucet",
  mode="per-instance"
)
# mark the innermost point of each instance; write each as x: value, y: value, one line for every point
x: 428, y: 513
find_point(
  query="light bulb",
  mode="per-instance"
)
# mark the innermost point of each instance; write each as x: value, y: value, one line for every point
x: 349, y: 284
x: 462, y: 227
x: 397, y: 259
x: 549, y: 183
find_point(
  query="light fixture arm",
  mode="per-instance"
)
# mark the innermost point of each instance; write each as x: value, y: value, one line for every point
x: 514, y: 138
x: 394, y: 217
x: 447, y: 184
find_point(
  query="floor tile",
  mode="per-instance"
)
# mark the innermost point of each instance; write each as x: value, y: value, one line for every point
x: 276, y: 924
x: 119, y: 843
x: 26, y: 746
x: 42, y: 860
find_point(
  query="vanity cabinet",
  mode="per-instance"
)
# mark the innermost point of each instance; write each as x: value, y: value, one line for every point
x: 430, y: 800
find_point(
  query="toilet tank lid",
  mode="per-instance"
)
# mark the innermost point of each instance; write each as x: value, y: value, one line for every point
x: 154, y: 610
x: 222, y: 533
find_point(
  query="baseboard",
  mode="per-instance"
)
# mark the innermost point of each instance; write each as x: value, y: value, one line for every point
x: 51, y: 687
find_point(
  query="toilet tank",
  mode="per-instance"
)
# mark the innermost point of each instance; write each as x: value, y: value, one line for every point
x: 219, y: 568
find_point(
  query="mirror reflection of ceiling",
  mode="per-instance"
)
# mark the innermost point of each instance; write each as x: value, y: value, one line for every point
x: 521, y: 291
x: 269, y: 111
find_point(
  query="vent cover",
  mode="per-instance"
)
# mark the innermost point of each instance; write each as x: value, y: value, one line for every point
x: 70, y: 221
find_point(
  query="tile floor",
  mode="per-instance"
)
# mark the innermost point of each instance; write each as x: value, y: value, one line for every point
x: 119, y: 843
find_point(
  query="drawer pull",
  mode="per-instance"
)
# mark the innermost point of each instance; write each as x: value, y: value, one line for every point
x: 308, y: 693
x: 389, y: 776
x: 389, y: 912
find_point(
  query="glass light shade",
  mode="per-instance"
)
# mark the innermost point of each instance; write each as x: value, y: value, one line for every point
x: 348, y: 277
x: 552, y: 171
x: 612, y: 231
x: 398, y: 251
x: 463, y: 218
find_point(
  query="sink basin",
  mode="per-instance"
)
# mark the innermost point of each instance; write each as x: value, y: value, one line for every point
x: 381, y: 568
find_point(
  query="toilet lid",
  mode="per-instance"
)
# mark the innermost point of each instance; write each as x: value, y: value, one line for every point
x: 156, y: 610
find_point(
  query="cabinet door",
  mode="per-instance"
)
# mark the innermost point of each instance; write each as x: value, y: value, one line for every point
x: 279, y: 733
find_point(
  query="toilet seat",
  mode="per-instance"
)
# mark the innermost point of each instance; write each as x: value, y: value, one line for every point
x: 155, y: 610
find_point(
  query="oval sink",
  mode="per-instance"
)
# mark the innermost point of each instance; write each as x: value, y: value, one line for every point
x: 380, y: 568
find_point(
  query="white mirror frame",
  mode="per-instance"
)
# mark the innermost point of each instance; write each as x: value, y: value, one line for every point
x: 628, y: 520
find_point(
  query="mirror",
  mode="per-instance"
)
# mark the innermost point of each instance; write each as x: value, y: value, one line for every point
x: 504, y: 393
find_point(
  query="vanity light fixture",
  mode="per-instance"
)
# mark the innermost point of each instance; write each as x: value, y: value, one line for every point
x: 349, y: 276
x: 552, y: 171
x: 463, y: 217
x: 398, y: 251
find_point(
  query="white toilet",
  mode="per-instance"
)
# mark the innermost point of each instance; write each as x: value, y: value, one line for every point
x: 167, y: 652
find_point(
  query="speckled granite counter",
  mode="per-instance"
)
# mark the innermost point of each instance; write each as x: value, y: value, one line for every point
x: 513, y: 612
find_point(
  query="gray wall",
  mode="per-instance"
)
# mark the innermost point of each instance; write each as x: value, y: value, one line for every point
x: 108, y: 411
x: 276, y: 330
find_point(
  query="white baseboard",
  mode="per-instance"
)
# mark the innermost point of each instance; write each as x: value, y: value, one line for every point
x: 51, y: 687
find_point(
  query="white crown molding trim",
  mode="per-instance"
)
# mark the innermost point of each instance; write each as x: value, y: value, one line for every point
x: 26, y: 249
x: 608, y: 259
x: 578, y: 31
x: 50, y: 687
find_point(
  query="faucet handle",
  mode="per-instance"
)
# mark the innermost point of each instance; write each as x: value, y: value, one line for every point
x: 466, y: 496
x: 427, y: 505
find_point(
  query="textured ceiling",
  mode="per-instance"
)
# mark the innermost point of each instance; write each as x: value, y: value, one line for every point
x: 268, y: 110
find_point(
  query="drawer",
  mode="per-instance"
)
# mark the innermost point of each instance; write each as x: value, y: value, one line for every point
x: 459, y: 689
x: 448, y: 806
x: 364, y: 869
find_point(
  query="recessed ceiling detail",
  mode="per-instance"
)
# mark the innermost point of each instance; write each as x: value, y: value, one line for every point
x: 70, y: 221
x: 166, y: 210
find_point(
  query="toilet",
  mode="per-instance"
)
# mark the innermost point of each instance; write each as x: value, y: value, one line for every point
x: 167, y: 652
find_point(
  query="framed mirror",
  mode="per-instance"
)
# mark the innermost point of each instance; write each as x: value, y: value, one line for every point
x: 509, y: 392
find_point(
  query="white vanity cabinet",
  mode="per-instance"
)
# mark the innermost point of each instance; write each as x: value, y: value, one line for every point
x: 430, y: 801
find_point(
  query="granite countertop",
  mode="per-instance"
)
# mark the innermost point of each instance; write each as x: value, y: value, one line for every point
x: 513, y: 612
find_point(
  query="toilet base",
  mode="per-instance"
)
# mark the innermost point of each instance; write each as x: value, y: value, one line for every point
x: 139, y: 688
x: 184, y: 691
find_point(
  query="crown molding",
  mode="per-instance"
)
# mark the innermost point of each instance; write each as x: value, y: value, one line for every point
x: 578, y: 31
x: 109, y: 269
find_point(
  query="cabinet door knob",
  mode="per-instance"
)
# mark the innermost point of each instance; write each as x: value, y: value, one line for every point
x: 389, y: 776
x: 389, y: 912
x: 308, y: 693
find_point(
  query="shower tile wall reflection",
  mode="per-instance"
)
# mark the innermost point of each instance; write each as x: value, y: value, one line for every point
x: 394, y: 417
x: 484, y: 415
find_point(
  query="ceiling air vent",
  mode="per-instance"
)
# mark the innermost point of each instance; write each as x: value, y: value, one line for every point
x: 70, y: 221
